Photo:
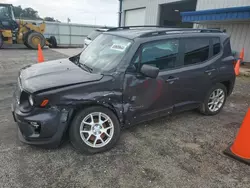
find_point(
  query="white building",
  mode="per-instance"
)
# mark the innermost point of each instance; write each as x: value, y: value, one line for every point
x: 230, y: 15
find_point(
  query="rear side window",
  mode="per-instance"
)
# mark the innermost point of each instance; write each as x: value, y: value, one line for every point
x: 227, y: 47
x: 196, y: 50
x: 216, y: 46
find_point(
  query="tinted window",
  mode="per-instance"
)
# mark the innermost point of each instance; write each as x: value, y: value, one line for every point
x: 4, y: 12
x: 161, y: 54
x: 216, y: 46
x: 227, y: 47
x: 196, y: 51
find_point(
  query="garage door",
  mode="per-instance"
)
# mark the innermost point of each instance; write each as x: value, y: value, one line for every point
x: 135, y: 17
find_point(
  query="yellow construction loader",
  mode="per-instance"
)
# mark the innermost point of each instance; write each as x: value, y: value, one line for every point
x: 14, y: 31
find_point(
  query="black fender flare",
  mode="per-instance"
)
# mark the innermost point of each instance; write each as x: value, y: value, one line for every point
x: 117, y: 109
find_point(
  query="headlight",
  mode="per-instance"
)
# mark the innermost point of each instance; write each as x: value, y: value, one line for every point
x: 31, y: 101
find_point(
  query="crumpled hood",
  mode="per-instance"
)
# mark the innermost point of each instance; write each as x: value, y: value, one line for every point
x: 54, y: 74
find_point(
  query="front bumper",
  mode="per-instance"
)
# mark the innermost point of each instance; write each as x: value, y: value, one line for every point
x: 41, y: 126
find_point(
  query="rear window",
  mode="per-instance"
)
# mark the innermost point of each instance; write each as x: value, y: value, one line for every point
x: 216, y: 46
x: 94, y: 34
x: 196, y: 50
x: 227, y: 47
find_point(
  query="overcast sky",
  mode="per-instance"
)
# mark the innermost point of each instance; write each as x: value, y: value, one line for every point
x: 101, y: 12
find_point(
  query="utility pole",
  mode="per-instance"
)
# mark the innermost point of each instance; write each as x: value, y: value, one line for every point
x: 120, y: 14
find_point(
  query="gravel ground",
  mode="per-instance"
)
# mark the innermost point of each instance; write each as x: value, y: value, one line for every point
x: 183, y: 150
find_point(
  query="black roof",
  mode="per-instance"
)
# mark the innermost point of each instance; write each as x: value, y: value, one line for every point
x: 149, y: 31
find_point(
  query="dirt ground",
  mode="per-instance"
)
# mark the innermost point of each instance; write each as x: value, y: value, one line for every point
x: 183, y: 150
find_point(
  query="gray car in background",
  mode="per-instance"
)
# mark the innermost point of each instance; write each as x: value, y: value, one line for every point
x: 93, y: 35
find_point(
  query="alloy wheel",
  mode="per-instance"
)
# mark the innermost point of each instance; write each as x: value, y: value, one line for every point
x: 97, y: 129
x: 216, y: 100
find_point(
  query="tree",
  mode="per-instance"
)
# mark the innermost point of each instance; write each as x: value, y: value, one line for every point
x: 30, y: 14
x: 27, y: 13
x: 49, y: 19
x: 17, y: 11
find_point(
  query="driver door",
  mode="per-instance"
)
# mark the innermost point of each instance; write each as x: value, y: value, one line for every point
x: 146, y: 98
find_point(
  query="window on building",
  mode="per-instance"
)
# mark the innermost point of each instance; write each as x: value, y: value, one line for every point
x: 196, y: 50
x: 216, y: 46
x: 161, y: 54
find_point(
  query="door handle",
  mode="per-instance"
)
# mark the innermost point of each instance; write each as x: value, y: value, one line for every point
x: 210, y: 70
x: 172, y: 79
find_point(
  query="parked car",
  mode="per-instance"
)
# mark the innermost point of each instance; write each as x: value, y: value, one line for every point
x: 93, y: 35
x: 123, y: 78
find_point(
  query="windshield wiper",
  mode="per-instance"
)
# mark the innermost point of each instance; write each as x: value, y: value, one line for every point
x: 85, y: 67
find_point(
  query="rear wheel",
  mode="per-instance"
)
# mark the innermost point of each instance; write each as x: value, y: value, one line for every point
x: 34, y: 39
x: 94, y: 130
x: 53, y: 42
x: 215, y: 100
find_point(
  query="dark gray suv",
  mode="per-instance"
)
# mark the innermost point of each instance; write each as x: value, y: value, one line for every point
x: 124, y: 77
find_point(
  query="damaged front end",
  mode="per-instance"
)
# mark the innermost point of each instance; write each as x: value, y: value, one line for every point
x: 39, y: 123
x: 42, y: 126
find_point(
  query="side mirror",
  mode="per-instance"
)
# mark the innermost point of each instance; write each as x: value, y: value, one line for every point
x: 150, y: 71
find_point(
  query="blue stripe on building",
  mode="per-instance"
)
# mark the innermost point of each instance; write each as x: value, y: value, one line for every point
x: 235, y: 13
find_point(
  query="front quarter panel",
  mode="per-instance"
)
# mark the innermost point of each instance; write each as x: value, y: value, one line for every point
x: 106, y: 92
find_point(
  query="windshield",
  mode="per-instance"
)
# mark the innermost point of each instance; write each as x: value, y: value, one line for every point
x: 4, y: 12
x: 105, y: 52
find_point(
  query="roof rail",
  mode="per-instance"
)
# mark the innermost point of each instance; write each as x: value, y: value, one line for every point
x: 179, y: 31
x: 136, y: 26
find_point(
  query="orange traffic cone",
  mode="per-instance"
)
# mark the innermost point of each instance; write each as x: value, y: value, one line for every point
x: 237, y: 68
x: 242, y: 54
x: 40, y: 57
x: 237, y: 64
x: 240, y: 149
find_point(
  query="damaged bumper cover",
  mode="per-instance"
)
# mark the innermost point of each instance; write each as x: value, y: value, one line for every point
x: 41, y: 126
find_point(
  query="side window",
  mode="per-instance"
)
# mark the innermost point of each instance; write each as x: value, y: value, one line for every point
x: 216, y: 46
x: 196, y: 50
x: 136, y: 60
x: 161, y: 54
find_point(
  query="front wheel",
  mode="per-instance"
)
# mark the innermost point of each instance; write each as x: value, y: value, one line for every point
x: 215, y: 100
x: 35, y: 38
x: 94, y: 130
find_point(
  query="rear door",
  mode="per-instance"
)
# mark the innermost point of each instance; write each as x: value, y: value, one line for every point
x: 197, y: 72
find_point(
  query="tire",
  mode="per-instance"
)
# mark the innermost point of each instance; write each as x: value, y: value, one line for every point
x: 209, y: 107
x: 1, y: 40
x: 84, y: 142
x: 25, y: 39
x: 25, y: 43
x: 53, y: 42
x: 35, y: 36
